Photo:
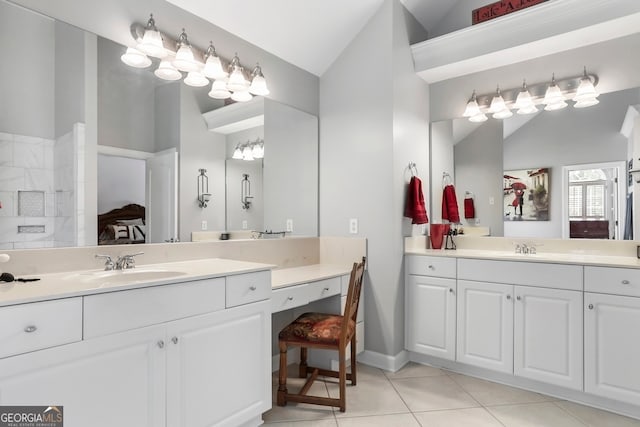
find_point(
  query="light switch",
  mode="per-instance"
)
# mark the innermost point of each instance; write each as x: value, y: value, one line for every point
x: 289, y: 225
x: 204, y: 225
x: 492, y: 201
x: 353, y: 225
x: 244, y: 224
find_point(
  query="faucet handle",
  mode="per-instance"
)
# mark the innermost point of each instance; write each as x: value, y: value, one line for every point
x: 128, y: 261
x: 518, y: 249
x: 108, y: 264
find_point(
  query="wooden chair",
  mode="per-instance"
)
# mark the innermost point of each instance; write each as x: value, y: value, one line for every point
x: 324, y: 331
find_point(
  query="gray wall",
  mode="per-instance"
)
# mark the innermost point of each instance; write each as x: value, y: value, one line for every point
x: 29, y: 87
x: 364, y: 150
x: 120, y: 181
x: 442, y: 155
x: 167, y: 116
x: 478, y: 169
x: 69, y: 77
x: 290, y: 169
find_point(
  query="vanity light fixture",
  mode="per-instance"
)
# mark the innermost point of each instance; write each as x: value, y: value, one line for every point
x: 237, y: 153
x: 247, y: 153
x: 179, y: 58
x: 553, y: 95
x: 204, y: 196
x: 250, y: 150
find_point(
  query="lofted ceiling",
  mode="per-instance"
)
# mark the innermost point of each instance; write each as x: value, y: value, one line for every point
x: 310, y: 35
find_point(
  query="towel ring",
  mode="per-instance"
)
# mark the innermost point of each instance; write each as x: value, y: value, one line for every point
x: 446, y: 179
x: 412, y: 168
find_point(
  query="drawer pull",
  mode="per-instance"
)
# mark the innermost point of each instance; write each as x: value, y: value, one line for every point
x: 290, y: 298
x: 450, y: 290
x: 625, y: 282
x: 590, y: 306
x: 518, y: 298
x: 325, y: 289
x: 30, y: 328
x: 174, y: 340
x: 253, y: 288
x: 431, y: 267
x: 161, y: 344
x: 508, y: 296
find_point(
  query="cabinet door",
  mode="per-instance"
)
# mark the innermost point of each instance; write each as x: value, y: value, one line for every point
x: 485, y: 325
x: 431, y: 316
x: 219, y: 367
x: 612, y: 346
x: 116, y: 380
x: 548, y: 335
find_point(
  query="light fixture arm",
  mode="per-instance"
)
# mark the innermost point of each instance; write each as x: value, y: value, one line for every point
x: 204, y: 196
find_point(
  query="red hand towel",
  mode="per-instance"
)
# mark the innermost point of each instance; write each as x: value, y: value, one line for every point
x: 469, y: 208
x: 450, y: 205
x: 415, y: 207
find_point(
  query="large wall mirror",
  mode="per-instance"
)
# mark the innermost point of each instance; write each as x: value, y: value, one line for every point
x: 82, y: 135
x: 585, y: 152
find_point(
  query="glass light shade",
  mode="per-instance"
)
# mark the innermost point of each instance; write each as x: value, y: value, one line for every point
x: 237, y: 82
x: 247, y: 153
x: 237, y: 154
x: 504, y: 114
x: 241, y: 96
x: 497, y: 104
x: 184, y: 60
x: 219, y: 90
x: 258, y: 151
x: 524, y: 100
x: 585, y: 91
x: 478, y: 118
x: 213, y: 68
x: 553, y: 96
x: 528, y: 110
x: 472, y: 108
x: 166, y: 71
x: 196, y: 79
x: 586, y: 103
x: 152, y: 44
x: 557, y: 106
x: 134, y: 58
x: 259, y: 86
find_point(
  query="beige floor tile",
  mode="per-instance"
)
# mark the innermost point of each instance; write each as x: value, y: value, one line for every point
x: 369, y: 397
x: 470, y: 417
x: 299, y: 411
x: 316, y: 423
x: 488, y: 393
x: 433, y: 393
x: 546, y: 414
x: 415, y: 370
x: 398, y: 420
x: 596, y: 417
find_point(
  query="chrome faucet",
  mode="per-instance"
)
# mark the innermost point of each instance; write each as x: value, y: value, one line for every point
x: 108, y: 263
x: 126, y: 261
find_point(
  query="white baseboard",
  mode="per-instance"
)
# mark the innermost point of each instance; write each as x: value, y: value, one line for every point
x: 384, y: 361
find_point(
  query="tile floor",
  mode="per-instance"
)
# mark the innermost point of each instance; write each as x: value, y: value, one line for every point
x: 420, y: 395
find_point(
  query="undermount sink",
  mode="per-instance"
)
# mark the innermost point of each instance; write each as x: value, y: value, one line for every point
x: 113, y: 277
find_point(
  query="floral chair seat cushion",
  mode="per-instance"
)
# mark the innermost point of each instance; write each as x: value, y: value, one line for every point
x: 316, y: 328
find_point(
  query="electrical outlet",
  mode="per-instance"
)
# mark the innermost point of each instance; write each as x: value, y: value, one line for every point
x: 204, y: 225
x: 492, y: 201
x: 244, y: 224
x: 353, y: 225
x: 289, y: 225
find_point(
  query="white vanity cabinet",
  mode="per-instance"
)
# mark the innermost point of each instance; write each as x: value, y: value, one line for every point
x: 525, y: 319
x: 612, y: 333
x: 172, y: 355
x: 430, y: 301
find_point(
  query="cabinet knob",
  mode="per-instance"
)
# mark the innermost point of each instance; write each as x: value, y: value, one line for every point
x: 174, y: 340
x: 431, y: 267
x: 518, y: 298
x: 161, y: 344
x: 30, y: 328
x: 451, y: 290
x: 253, y: 288
x: 290, y: 298
x: 590, y: 306
x: 625, y: 282
x: 508, y: 296
x: 326, y: 289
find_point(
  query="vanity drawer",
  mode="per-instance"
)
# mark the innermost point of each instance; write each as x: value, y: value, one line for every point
x: 431, y: 266
x: 124, y: 310
x: 610, y: 280
x: 289, y: 297
x: 248, y: 288
x: 29, y: 327
x: 324, y: 288
x: 526, y: 273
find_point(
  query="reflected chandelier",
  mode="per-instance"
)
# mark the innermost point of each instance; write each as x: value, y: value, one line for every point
x: 178, y: 59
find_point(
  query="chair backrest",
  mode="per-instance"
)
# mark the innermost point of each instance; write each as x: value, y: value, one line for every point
x: 353, y: 296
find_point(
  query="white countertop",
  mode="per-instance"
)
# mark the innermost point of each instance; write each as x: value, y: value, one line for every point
x: 78, y: 283
x: 558, y: 258
x: 308, y: 273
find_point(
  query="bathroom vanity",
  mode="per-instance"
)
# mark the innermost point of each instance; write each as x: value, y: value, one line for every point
x: 557, y: 323
x: 193, y: 349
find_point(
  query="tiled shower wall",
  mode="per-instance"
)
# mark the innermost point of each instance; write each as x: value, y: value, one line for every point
x: 43, y: 166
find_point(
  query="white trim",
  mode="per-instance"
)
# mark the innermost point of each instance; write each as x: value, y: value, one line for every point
x: 622, y: 191
x: 384, y: 361
x: 124, y: 152
x: 552, y: 27
x: 633, y: 111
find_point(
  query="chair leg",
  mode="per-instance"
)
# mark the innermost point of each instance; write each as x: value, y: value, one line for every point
x: 282, y: 376
x: 342, y: 375
x: 353, y: 359
x: 303, y: 363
